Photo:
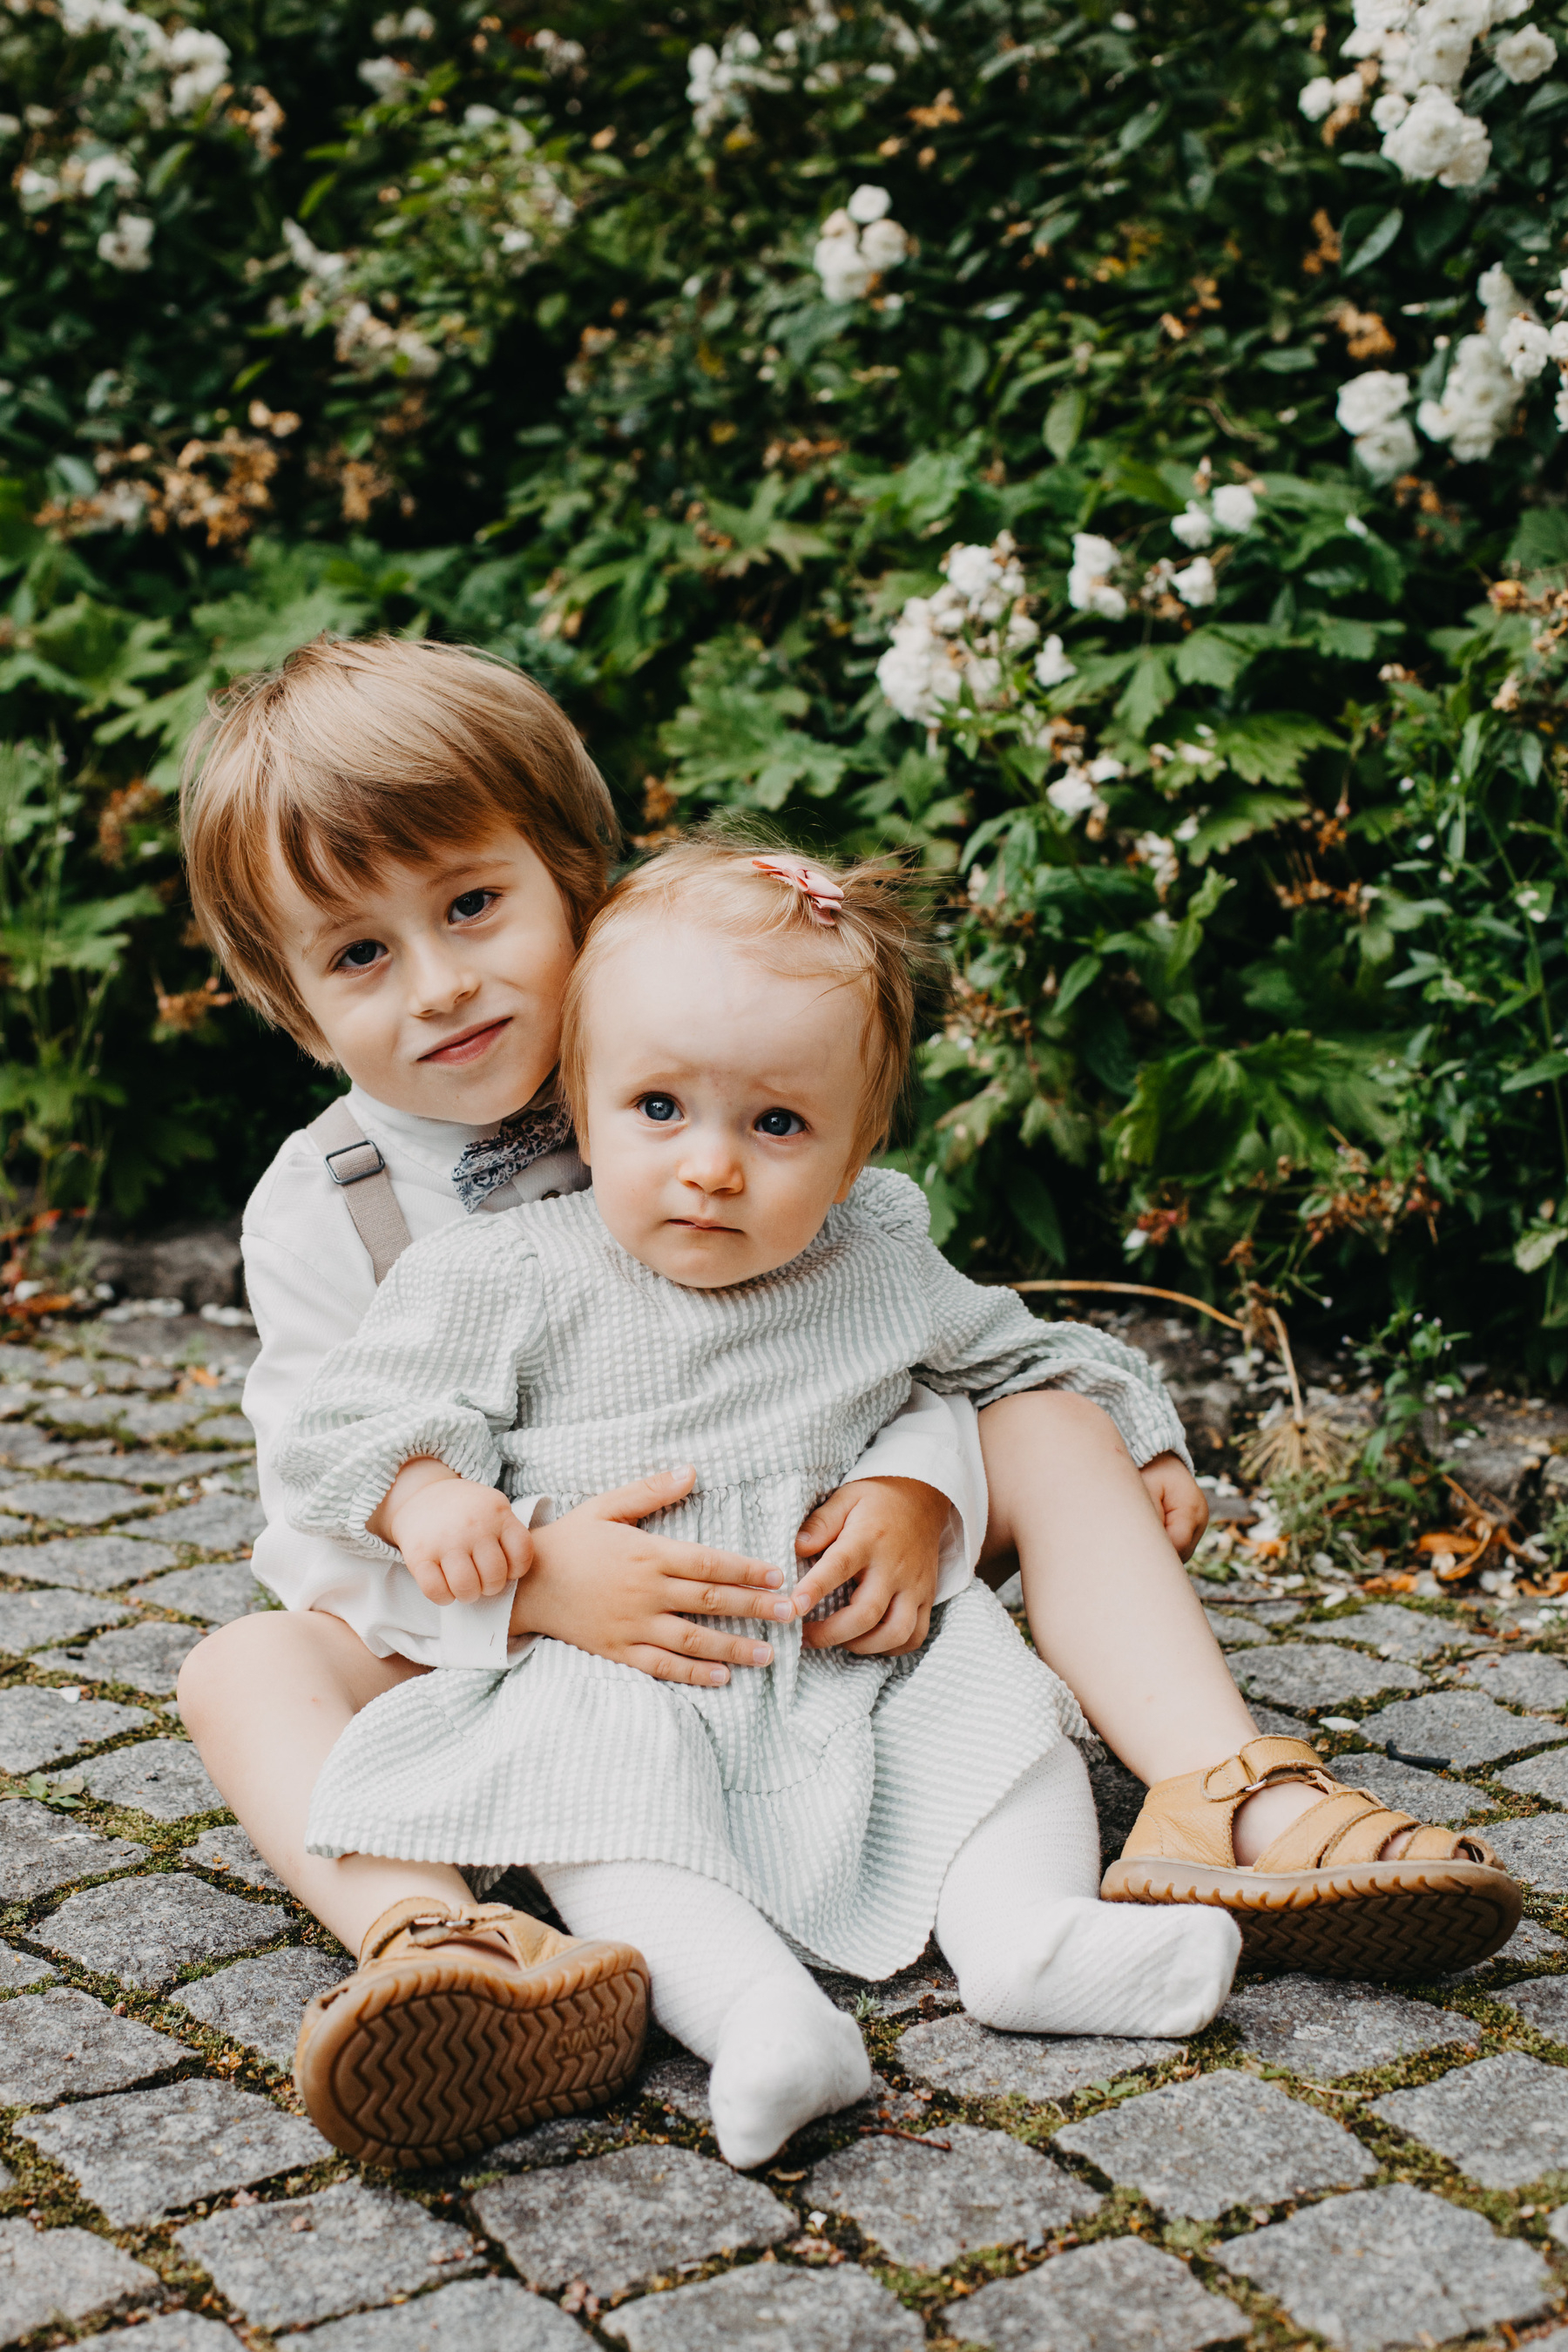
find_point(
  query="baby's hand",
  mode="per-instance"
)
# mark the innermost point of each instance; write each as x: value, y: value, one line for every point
x: 885, y: 1535
x: 1179, y: 1499
x: 460, y: 1542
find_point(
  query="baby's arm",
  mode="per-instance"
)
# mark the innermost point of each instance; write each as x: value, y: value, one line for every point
x: 904, y: 1530
x: 460, y: 1542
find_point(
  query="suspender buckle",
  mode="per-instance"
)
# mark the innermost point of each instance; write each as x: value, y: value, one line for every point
x: 346, y: 1152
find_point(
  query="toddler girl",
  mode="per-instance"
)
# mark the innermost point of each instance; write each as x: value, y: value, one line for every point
x: 739, y: 1287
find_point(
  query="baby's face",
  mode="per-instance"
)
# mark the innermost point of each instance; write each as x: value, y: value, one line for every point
x: 723, y: 1097
x: 438, y: 989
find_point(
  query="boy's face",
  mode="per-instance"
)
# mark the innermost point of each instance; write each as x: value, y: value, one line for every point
x: 438, y: 988
x: 723, y: 1098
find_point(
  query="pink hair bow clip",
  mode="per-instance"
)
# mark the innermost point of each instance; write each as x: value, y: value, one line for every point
x: 822, y: 893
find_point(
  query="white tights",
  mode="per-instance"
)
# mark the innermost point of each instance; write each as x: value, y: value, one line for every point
x: 1033, y: 1950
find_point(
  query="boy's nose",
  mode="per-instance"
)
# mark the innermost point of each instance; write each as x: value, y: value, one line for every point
x: 437, y: 981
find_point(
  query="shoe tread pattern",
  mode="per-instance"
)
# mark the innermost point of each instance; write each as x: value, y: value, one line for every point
x: 1420, y: 1932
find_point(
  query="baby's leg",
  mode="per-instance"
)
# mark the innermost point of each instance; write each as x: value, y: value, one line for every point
x: 729, y: 1988
x: 1035, y: 1952
x: 265, y: 1700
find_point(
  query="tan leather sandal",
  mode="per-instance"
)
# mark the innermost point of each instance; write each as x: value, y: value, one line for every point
x: 464, y: 2024
x: 1317, y: 1898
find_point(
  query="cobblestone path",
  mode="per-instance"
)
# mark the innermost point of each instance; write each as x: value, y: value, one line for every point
x: 1358, y: 2165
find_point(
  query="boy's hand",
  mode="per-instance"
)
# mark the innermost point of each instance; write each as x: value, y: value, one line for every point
x: 460, y: 1542
x: 1179, y: 1499
x: 884, y: 1535
x: 608, y: 1585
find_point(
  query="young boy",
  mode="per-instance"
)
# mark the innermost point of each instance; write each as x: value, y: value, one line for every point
x: 395, y: 849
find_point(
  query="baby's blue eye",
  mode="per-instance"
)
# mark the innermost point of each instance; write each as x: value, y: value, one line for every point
x: 661, y: 1108
x: 471, y: 903
x: 780, y: 1122
x: 361, y: 955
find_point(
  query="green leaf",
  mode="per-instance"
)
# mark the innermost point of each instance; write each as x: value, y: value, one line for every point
x: 1150, y: 688
x: 1534, y: 1248
x: 1239, y: 819
x: 1374, y: 241
x: 1268, y: 747
x: 1064, y: 423
x: 1539, y: 1074
x: 1032, y: 1204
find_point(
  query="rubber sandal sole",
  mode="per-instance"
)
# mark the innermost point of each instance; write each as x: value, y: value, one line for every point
x: 438, y: 2054
x: 1373, y: 1919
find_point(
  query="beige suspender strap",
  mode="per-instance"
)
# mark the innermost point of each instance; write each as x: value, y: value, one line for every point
x: 356, y: 1167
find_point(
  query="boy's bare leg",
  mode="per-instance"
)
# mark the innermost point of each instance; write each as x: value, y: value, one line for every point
x: 265, y: 1700
x: 1109, y: 1603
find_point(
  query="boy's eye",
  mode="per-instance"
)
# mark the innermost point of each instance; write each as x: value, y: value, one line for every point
x: 361, y: 955
x: 781, y: 1122
x: 471, y: 903
x: 659, y: 1108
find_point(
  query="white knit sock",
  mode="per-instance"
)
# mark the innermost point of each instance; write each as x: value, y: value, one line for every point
x: 1034, y: 1949
x: 729, y: 1987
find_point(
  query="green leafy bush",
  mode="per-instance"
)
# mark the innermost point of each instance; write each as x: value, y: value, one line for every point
x: 1114, y: 457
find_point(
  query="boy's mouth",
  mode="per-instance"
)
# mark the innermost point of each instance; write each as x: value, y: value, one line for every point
x: 468, y: 1044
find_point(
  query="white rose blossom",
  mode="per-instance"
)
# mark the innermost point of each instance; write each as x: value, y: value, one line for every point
x: 1439, y: 140
x: 1318, y: 98
x: 1524, y: 347
x: 1390, y: 110
x: 1387, y: 449
x: 1477, y: 403
x: 1088, y: 580
x: 717, y: 79
x: 203, y: 60
x: 1194, y: 584
x: 1372, y: 399
x: 1194, y: 528
x: 1073, y: 796
x: 129, y: 243
x: 1052, y: 667
x: 1235, y: 506
x: 1526, y: 55
x: 108, y: 171
x: 1557, y: 343
x: 856, y: 244
x: 1162, y: 857
x: 383, y: 75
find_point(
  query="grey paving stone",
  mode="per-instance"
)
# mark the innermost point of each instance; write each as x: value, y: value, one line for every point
x: 165, y: 1777
x: 1392, y: 2266
x: 624, y: 2217
x: 148, y: 1657
x: 1407, y: 1790
x: 260, y: 2001
x: 144, y: 1930
x: 54, y: 1614
x: 957, y: 2054
x: 216, y: 1594
x: 75, y: 1502
x: 218, y: 1523
x: 146, y: 1468
x: 1198, y: 2148
x: 1521, y: 1677
x: 556, y: 2142
x: 19, y: 1968
x: 72, y: 1412
x: 63, y: 2274
x: 1324, y: 2031
x: 40, y: 1850
x: 488, y: 2315
x: 63, y: 2044
x: 87, y: 1563
x: 230, y: 1852
x: 312, y: 2258
x: 928, y: 1978
x: 925, y: 2207
x: 1308, y: 1678
x: 1545, y: 1775
x: 172, y: 2331
x: 1503, y: 2121
x: 1234, y: 1631
x: 767, y: 2308
x: 163, y: 1417
x: 1275, y: 1726
x: 681, y: 2082
x: 1535, y: 1851
x: 1398, y: 1632
x: 1119, y: 2296
x: 1543, y: 2001
x: 224, y: 1429
x: 24, y: 1448
x: 10, y: 1528
x: 1457, y: 1728
x: 39, y: 1727
x: 138, y: 2154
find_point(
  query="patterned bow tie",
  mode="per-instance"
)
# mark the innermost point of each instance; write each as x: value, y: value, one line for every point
x: 516, y: 1144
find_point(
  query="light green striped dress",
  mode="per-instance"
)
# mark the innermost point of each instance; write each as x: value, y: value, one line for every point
x: 531, y: 1351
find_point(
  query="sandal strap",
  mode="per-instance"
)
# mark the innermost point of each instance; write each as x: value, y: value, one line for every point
x: 1430, y: 1845
x: 1307, y: 1842
x: 415, y: 1925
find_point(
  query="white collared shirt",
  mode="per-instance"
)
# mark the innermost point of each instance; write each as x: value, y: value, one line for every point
x: 307, y: 1276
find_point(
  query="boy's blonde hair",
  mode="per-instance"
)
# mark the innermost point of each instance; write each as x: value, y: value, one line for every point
x: 881, y: 946
x: 354, y: 756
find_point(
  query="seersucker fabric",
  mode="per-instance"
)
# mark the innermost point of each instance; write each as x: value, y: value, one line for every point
x: 529, y: 1351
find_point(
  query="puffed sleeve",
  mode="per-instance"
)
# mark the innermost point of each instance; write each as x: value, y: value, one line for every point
x: 435, y: 1368
x: 984, y: 1343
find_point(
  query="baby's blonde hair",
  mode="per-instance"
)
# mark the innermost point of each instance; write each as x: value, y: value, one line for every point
x: 354, y: 756
x: 880, y: 945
